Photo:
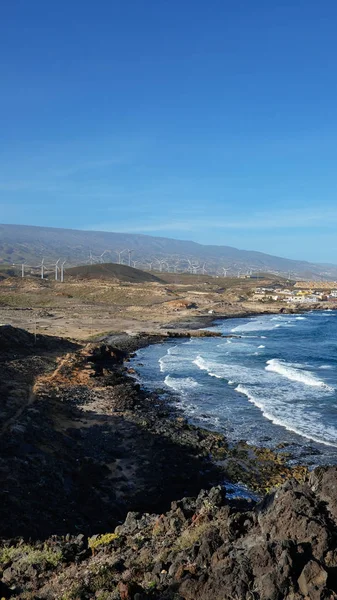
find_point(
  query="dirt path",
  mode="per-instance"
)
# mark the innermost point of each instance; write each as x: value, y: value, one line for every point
x: 33, y: 391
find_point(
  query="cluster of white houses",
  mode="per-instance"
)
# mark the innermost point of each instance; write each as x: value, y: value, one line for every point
x: 295, y: 295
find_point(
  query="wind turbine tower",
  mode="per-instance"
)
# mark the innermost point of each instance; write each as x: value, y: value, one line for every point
x: 57, y: 269
x: 62, y: 271
x: 120, y: 252
x: 129, y: 253
x: 101, y: 256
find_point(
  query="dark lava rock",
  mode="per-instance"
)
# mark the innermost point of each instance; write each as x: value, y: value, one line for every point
x: 284, y: 549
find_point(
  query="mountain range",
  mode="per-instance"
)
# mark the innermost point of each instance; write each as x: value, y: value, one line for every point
x: 30, y: 244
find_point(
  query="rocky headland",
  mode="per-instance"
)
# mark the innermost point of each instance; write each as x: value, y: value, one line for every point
x: 108, y: 492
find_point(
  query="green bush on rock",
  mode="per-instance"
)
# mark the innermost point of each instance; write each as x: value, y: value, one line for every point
x: 28, y: 555
x: 101, y: 540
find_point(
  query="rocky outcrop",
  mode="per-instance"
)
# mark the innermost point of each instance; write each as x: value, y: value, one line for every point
x: 283, y: 548
x: 197, y: 333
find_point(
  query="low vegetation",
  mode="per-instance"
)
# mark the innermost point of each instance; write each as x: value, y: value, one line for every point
x: 25, y: 554
x: 101, y: 540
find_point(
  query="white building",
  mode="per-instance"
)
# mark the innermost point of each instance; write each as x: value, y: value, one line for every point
x: 302, y: 299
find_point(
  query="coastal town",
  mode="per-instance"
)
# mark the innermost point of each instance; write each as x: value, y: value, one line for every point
x: 303, y: 292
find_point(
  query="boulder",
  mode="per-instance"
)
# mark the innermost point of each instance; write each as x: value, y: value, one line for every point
x: 293, y: 512
x: 323, y: 482
x: 312, y: 580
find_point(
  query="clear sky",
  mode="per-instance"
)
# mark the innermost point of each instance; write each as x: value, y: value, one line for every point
x: 214, y: 121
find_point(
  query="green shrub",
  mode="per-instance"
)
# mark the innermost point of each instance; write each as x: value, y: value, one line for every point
x: 29, y: 555
x: 102, y: 540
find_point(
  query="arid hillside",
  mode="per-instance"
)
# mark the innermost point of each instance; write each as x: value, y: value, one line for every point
x: 83, y: 306
x: 108, y: 271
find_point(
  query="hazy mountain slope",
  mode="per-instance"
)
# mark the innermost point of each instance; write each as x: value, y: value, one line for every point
x: 20, y: 243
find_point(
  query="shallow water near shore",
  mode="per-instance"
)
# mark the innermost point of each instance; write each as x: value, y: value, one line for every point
x: 273, y: 385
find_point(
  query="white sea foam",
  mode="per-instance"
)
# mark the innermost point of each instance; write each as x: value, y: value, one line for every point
x: 292, y: 372
x: 266, y: 325
x: 170, y: 350
x: 181, y: 384
x: 254, y: 326
x: 293, y: 418
x: 300, y: 318
x: 172, y: 360
x: 231, y: 372
x: 262, y: 346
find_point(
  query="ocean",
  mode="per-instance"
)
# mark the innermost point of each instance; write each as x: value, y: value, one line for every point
x: 274, y: 384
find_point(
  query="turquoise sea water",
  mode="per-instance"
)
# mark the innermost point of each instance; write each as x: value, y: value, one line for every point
x: 276, y: 383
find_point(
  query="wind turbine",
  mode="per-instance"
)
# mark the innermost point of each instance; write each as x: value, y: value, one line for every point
x: 120, y: 252
x: 62, y: 271
x: 161, y: 263
x: 42, y: 268
x: 190, y: 265
x: 129, y: 253
x: 100, y: 259
x: 56, y: 269
x: 194, y: 266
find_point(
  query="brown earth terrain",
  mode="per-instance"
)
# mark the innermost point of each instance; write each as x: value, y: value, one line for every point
x: 83, y: 307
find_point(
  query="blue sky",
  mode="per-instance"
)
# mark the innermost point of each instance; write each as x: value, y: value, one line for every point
x: 211, y: 121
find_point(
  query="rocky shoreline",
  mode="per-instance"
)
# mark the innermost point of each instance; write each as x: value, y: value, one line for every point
x: 93, y: 461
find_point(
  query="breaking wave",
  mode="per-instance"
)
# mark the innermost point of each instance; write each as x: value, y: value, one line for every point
x: 292, y: 418
x: 292, y: 372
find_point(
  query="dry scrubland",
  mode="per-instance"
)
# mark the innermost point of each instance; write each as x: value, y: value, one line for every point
x: 84, y: 307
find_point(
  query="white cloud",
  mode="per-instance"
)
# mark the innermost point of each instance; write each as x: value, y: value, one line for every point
x: 287, y: 219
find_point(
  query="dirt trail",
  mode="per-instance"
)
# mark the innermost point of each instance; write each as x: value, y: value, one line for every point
x: 33, y: 392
